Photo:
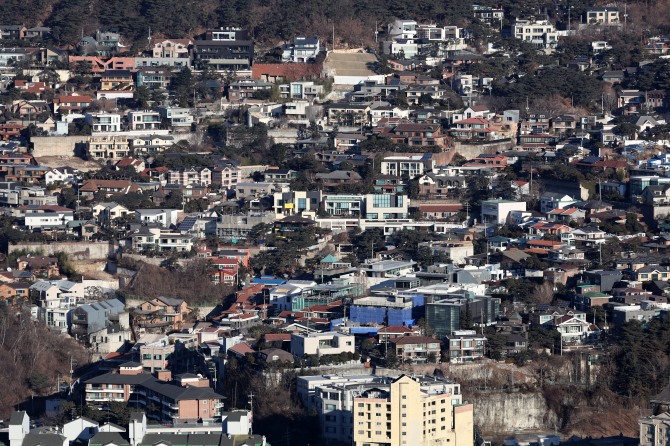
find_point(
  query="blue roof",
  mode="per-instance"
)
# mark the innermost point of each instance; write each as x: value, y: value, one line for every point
x: 268, y: 280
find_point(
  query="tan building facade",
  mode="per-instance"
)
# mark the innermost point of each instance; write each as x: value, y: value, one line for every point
x: 410, y: 415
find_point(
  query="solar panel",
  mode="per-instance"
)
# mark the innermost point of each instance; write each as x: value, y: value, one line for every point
x: 187, y: 223
x: 543, y: 307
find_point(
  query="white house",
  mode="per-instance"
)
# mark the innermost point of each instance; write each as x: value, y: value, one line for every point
x: 163, y: 217
x: 61, y: 175
x: 53, y: 217
x: 302, y: 49
x: 108, y: 211
x: 496, y: 211
x: 550, y: 201
x: 319, y: 344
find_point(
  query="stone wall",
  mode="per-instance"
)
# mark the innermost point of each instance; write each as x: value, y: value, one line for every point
x: 470, y: 150
x: 501, y: 412
x: 75, y: 250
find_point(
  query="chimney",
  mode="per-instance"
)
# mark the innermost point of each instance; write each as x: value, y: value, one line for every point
x: 164, y: 375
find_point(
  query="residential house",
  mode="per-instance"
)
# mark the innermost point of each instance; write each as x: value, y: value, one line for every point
x: 64, y: 175
x: 319, y: 344
x: 540, y: 33
x: 171, y: 48
x: 161, y: 240
x: 162, y: 217
x: 416, y: 349
x: 144, y: 120
x: 15, y: 293
x: 45, y: 218
x: 410, y: 166
x: 150, y: 145
x: 302, y: 49
x: 348, y: 114
x: 192, y: 176
x: 163, y: 313
x: 117, y: 80
x: 497, y: 211
x: 103, y: 122
x: 465, y: 346
x: 652, y: 273
x: 176, y: 117
x: 224, y: 49
x: 164, y: 401
x: 109, y: 187
x: 602, y: 16
x: 391, y: 332
x: 108, y: 211
x: 71, y: 104
x: 108, y: 148
x: 39, y: 266
x: 550, y: 201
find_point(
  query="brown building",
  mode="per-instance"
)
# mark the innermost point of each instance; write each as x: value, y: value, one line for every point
x: 416, y: 348
x: 39, y: 265
x: 163, y: 313
x: 182, y: 400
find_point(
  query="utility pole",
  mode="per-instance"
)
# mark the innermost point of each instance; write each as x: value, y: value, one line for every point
x: 251, y: 403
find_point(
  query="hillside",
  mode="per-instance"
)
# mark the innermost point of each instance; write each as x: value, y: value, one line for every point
x: 33, y: 359
x: 269, y: 20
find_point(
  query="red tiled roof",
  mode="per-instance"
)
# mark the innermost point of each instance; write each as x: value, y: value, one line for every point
x: 242, y: 348
x: 275, y: 337
x: 69, y: 99
x: 538, y: 251
x: 396, y: 329
x: 293, y: 71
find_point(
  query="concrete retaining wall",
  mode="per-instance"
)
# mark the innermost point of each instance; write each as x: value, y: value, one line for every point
x: 75, y: 250
x: 58, y: 145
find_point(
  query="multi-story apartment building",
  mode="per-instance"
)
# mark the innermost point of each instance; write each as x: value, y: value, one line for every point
x: 224, y: 49
x: 370, y: 206
x: 655, y: 430
x: 103, y: 122
x: 416, y: 349
x: 226, y: 177
x: 108, y: 148
x: 144, y: 120
x: 465, y: 346
x: 412, y: 411
x: 187, y: 177
x: 167, y: 402
x: 540, y: 33
x: 348, y: 114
